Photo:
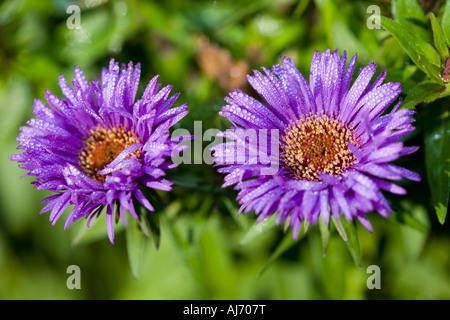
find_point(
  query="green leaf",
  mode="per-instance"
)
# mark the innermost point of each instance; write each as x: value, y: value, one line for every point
x: 441, y: 212
x: 325, y: 236
x: 258, y: 229
x: 347, y: 231
x: 420, y: 52
x: 422, y: 92
x: 343, y: 37
x: 410, y: 15
x: 340, y: 228
x: 433, y: 71
x: 300, y: 9
x: 405, y: 217
x: 353, y: 241
x: 149, y: 225
x: 286, y: 243
x: 444, y: 92
x: 439, y: 38
x: 183, y: 233
x: 135, y: 246
x: 328, y: 12
x: 95, y: 231
x: 149, y: 222
x: 446, y: 21
x: 437, y: 157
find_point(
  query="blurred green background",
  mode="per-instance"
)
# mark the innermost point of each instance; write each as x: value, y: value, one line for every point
x: 204, y: 49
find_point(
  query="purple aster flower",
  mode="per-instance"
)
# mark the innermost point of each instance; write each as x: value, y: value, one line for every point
x: 96, y: 147
x: 334, y: 142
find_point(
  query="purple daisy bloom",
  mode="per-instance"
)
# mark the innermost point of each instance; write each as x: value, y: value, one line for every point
x: 96, y: 147
x: 334, y: 142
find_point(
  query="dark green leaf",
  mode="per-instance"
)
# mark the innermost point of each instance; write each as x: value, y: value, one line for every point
x: 433, y: 71
x: 444, y: 92
x: 405, y: 217
x: 149, y: 225
x: 439, y: 38
x: 422, y: 92
x: 149, y: 221
x: 437, y: 157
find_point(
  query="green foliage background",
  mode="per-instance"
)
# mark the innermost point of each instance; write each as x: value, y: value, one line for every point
x: 205, y: 250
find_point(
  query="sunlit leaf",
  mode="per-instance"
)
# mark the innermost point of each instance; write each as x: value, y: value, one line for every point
x: 432, y: 70
x: 420, y: 52
x: 411, y: 16
x: 440, y: 41
x: 340, y: 228
x: 446, y: 21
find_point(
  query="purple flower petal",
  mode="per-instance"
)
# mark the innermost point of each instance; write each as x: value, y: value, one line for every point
x: 349, y: 176
x: 97, y: 145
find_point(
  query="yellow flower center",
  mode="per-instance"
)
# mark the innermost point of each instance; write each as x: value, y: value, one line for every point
x: 315, y: 144
x: 102, y: 146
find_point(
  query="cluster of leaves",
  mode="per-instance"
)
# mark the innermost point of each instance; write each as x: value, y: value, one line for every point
x: 428, y: 47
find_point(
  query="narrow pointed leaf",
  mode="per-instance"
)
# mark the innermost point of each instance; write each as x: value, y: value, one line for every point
x: 135, y: 247
x: 149, y: 221
x: 414, y: 47
x: 446, y: 21
x: 404, y: 216
x: 325, y: 236
x: 422, y: 92
x: 440, y: 42
x: 437, y: 157
x: 353, y: 241
x: 340, y: 228
x: 150, y: 226
x: 286, y: 243
x: 433, y: 71
x: 96, y: 231
x: 258, y: 229
x: 444, y: 92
